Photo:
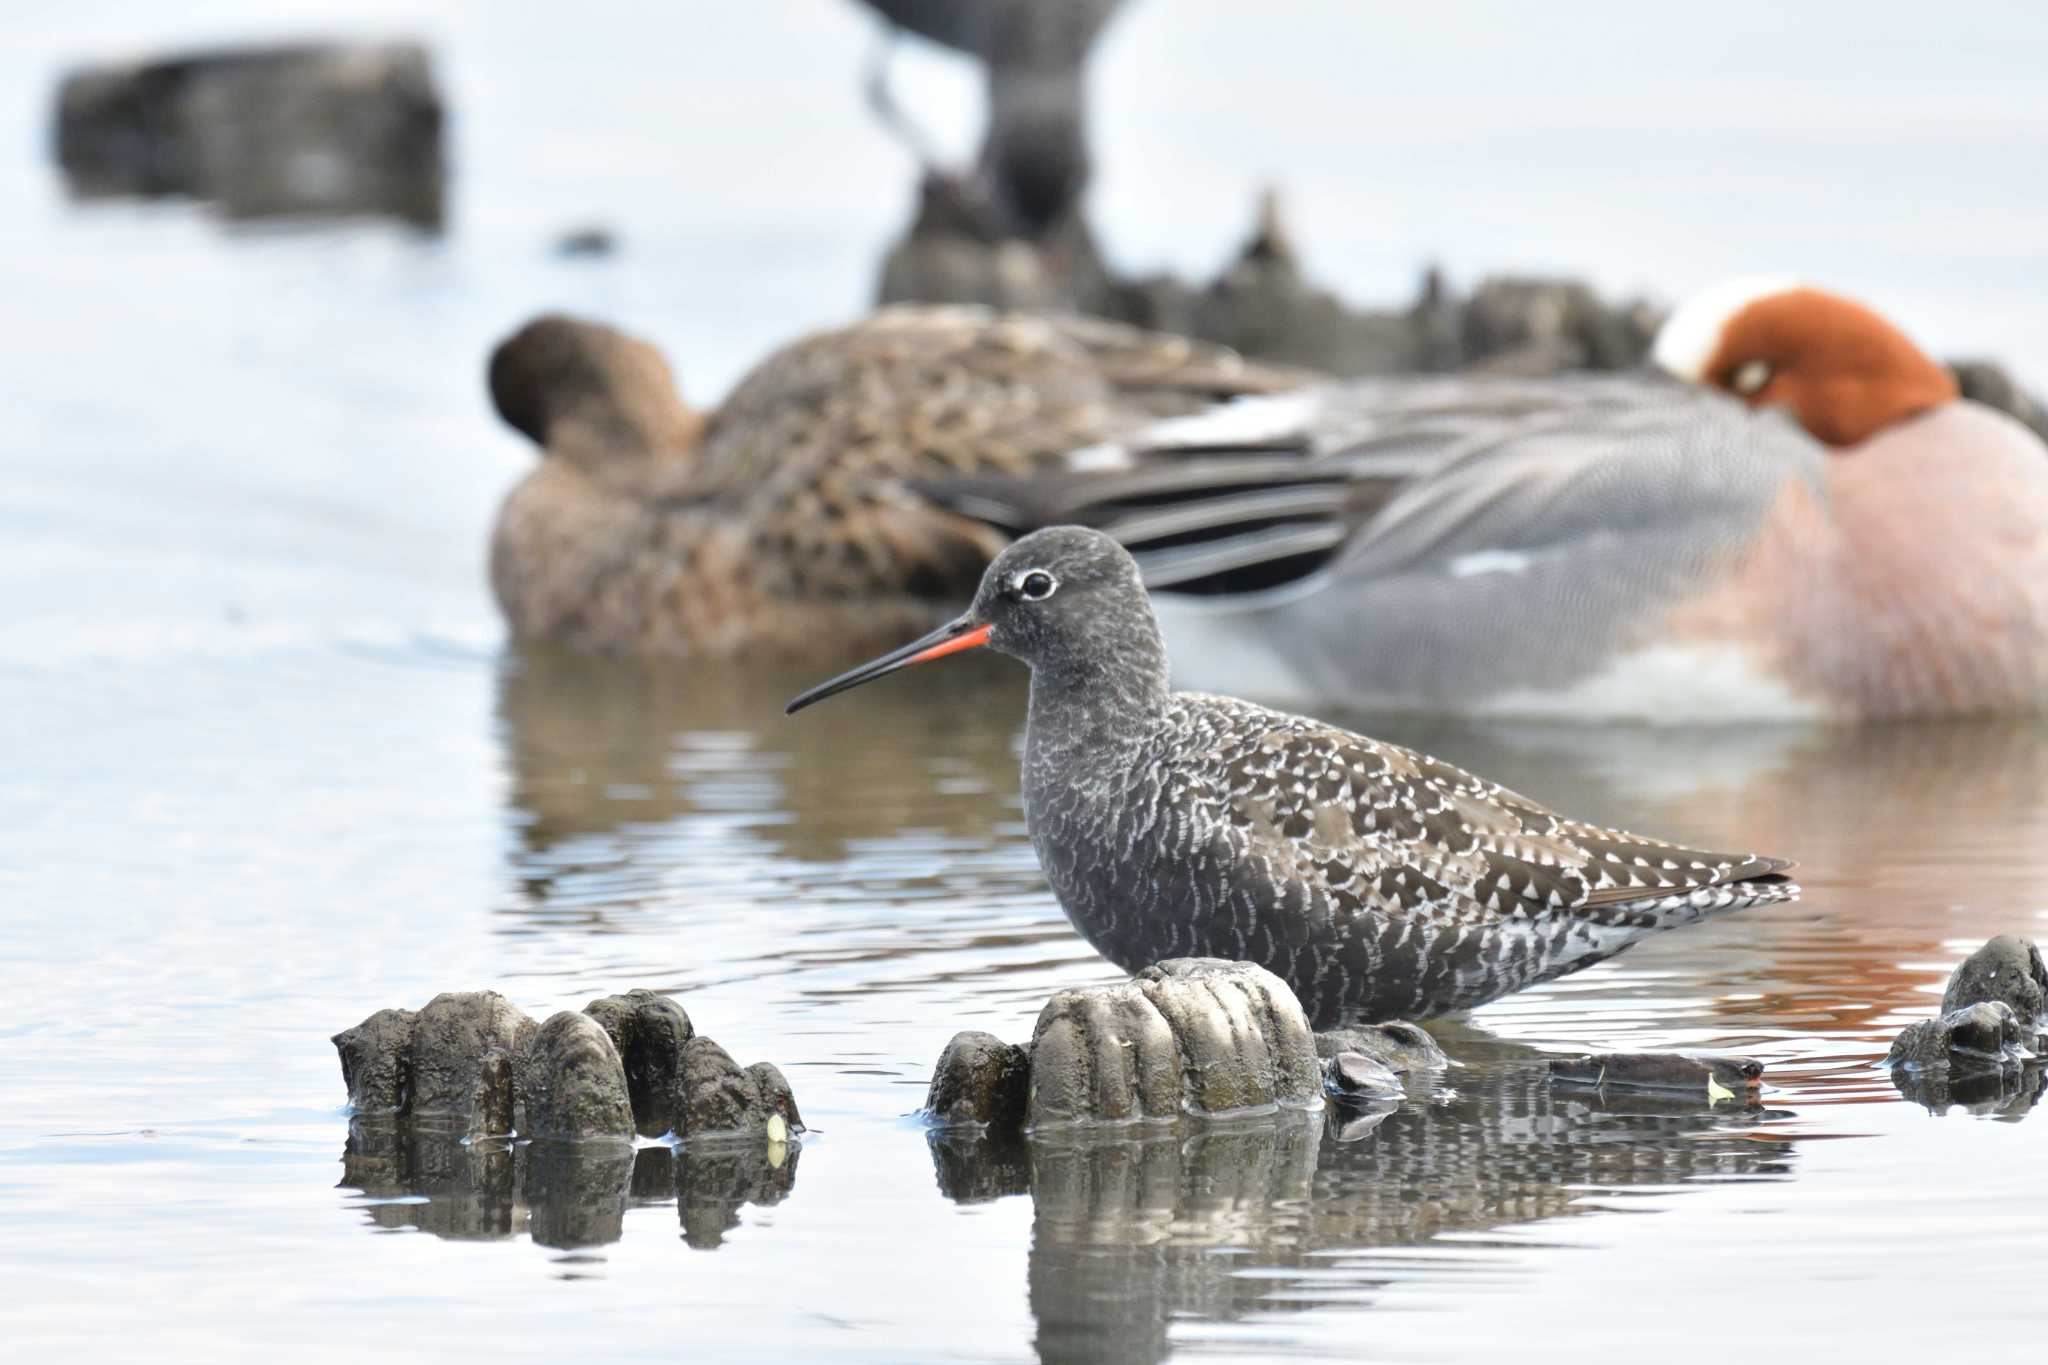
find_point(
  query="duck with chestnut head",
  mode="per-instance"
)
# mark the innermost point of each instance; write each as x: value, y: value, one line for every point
x: 1798, y: 517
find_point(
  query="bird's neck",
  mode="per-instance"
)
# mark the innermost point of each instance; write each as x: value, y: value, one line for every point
x: 1093, y: 709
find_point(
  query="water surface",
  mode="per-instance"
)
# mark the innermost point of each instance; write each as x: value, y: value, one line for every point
x: 268, y: 765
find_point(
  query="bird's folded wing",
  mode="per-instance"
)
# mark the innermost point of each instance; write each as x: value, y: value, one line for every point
x: 1381, y: 823
x: 1380, y: 477
x: 1171, y: 373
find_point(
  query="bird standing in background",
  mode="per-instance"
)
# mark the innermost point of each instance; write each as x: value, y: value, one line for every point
x: 1377, y: 882
x: 1034, y: 160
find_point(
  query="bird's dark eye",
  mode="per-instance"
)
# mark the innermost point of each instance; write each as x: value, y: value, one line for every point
x: 1036, y: 585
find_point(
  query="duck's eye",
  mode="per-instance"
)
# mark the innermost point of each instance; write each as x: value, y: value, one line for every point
x: 1035, y: 585
x: 1750, y: 377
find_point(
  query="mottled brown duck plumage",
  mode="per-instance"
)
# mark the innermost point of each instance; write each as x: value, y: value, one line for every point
x: 783, y: 522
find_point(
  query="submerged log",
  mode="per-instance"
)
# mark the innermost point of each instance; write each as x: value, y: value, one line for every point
x: 1700, y: 1075
x: 472, y: 1062
x: 649, y: 1031
x: 1187, y: 1036
x: 575, y: 1085
x: 980, y: 1080
x: 1983, y: 1036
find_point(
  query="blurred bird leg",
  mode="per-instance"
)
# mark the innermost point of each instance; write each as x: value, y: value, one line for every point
x: 883, y: 102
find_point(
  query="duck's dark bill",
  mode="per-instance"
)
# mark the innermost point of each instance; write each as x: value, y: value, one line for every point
x: 951, y: 638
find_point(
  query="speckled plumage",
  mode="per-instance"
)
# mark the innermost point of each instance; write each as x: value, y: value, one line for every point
x: 783, y: 522
x: 1378, y: 882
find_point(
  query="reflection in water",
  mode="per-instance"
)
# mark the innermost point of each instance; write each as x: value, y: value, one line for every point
x: 602, y: 746
x: 1910, y: 838
x: 713, y: 1181
x: 452, y: 1188
x: 565, y: 1194
x: 1918, y: 811
x: 1137, y: 1228
x: 886, y: 841
x: 2005, y: 1093
x: 656, y: 798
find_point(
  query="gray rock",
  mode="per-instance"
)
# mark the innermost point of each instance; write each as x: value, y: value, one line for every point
x: 1244, y: 1040
x: 2007, y: 969
x: 1102, y: 1052
x: 452, y: 1062
x: 1194, y: 1035
x: 452, y: 1039
x: 713, y: 1095
x: 648, y: 1030
x: 494, y: 1096
x: 775, y: 1100
x: 1401, y: 1047
x: 574, y: 1081
x: 341, y: 128
x: 1986, y: 1035
x: 1354, y: 1076
x: 980, y: 1080
x: 376, y: 1062
x: 1701, y: 1075
x: 472, y: 1063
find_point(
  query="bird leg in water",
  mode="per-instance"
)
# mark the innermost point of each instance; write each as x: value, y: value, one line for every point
x: 883, y: 101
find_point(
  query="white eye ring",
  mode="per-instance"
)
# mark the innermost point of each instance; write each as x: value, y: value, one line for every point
x: 1035, y: 591
x: 1753, y: 375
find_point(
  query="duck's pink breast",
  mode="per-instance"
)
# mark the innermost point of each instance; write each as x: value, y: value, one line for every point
x: 1914, y: 583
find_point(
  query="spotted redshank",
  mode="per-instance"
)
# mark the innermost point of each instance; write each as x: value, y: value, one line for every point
x: 1813, y: 526
x: 1378, y: 882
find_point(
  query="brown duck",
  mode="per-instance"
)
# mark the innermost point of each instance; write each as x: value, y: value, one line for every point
x: 783, y: 523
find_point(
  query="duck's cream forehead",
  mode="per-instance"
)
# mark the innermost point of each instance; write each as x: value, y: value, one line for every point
x: 1687, y: 341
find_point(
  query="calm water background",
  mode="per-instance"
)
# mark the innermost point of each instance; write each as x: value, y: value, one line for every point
x: 265, y: 765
